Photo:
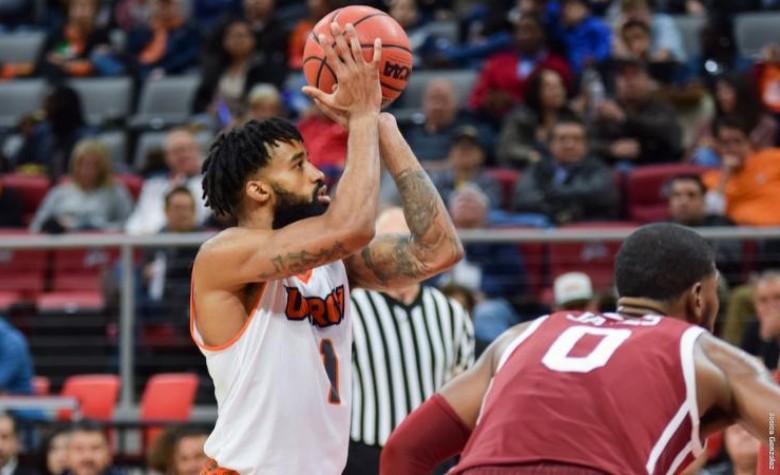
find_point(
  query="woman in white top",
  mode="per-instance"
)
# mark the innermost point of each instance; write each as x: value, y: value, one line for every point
x: 89, y: 200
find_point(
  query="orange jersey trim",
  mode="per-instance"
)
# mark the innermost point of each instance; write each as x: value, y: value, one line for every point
x: 305, y: 276
x: 193, y: 317
x: 212, y: 468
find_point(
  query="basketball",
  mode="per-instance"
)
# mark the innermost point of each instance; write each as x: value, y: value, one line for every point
x: 395, y: 65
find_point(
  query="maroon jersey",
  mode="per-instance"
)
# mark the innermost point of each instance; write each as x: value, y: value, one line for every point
x: 595, y: 390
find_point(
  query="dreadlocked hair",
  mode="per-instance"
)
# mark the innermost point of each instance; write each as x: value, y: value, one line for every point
x: 236, y: 155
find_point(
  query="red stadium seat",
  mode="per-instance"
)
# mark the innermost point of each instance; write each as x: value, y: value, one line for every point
x: 644, y: 186
x: 22, y: 272
x: 76, y: 279
x: 31, y: 189
x: 507, y: 178
x: 595, y: 258
x: 133, y: 183
x: 96, y: 393
x: 167, y: 397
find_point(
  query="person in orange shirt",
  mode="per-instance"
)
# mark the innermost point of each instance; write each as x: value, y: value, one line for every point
x: 747, y: 187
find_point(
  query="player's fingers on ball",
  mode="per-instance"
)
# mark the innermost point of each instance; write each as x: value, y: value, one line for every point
x: 354, y: 44
x: 330, y: 55
x: 377, y: 51
x: 342, y: 49
x: 312, y: 92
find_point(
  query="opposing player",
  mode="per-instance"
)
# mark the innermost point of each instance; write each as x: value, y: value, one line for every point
x: 270, y: 297
x: 580, y: 393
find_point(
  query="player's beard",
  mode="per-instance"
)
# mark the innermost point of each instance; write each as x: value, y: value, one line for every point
x: 291, y: 207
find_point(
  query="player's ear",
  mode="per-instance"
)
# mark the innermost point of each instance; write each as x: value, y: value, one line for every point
x: 695, y: 304
x: 258, y: 191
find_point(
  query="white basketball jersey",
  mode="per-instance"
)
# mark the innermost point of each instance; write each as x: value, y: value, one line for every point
x: 283, y: 383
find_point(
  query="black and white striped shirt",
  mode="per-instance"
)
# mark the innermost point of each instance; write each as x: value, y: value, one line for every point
x: 402, y: 354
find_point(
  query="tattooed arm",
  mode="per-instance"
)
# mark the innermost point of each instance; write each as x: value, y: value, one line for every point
x: 394, y: 260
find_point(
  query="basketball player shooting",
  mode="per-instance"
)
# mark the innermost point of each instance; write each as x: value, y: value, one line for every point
x: 632, y: 392
x: 270, y: 297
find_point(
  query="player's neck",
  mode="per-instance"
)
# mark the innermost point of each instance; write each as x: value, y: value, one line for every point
x: 638, y: 306
x: 256, y: 220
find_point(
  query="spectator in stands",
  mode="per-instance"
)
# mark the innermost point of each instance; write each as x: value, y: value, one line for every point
x: 89, y: 452
x: 90, y: 201
x: 225, y: 83
x: 466, y: 164
x: 572, y: 291
x: 16, y: 366
x: 502, y: 82
x: 718, y: 54
x: 636, y: 128
x: 9, y: 449
x: 80, y: 47
x: 183, y: 157
x: 441, y: 118
x: 51, y: 134
x: 666, y: 39
x: 316, y: 9
x: 207, y: 12
x: 271, y: 40
x: 767, y: 74
x: 526, y: 130
x: 264, y: 101
x: 168, y: 44
x: 570, y: 185
x: 762, y: 337
x: 747, y: 187
x: 687, y: 208
x: 166, y: 270
x: 10, y: 208
x: 493, y: 271
x: 407, y: 13
x: 54, y: 451
x: 734, y: 96
x: 179, y: 451
x: 132, y: 14
x: 587, y: 38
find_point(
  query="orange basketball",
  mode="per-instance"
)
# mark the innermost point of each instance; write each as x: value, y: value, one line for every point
x: 395, y: 65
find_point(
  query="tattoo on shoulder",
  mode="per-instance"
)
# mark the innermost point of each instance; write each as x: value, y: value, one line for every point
x: 419, y: 197
x: 301, y: 261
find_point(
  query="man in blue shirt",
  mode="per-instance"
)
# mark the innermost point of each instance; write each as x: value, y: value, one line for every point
x: 16, y: 367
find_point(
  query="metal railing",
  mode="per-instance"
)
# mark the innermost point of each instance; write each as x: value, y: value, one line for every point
x: 127, y: 244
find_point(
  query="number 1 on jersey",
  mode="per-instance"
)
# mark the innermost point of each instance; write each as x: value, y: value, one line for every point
x: 331, y: 362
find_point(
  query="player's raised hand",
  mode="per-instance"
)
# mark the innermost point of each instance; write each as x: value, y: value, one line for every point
x: 358, y: 90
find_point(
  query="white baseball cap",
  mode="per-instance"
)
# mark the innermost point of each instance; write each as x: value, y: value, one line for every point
x: 572, y: 287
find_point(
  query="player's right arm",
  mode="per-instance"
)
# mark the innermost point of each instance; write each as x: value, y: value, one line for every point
x: 240, y: 256
x: 441, y: 426
x: 739, y: 387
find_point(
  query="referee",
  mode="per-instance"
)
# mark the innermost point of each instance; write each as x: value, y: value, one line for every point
x: 408, y: 342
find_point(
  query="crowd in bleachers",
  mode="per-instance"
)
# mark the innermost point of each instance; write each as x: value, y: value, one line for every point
x: 527, y: 113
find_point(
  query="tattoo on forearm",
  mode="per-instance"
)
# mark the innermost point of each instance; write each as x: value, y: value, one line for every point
x: 419, y: 198
x: 301, y: 261
x: 390, y: 257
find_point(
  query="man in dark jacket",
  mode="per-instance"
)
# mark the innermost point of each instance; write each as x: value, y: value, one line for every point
x: 9, y: 448
x: 569, y: 185
x: 635, y: 128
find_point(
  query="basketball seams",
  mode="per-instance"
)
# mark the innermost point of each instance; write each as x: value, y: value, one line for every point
x: 391, y: 87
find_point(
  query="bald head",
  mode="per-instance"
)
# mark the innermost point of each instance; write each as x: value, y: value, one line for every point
x: 392, y: 221
x: 439, y: 103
